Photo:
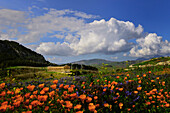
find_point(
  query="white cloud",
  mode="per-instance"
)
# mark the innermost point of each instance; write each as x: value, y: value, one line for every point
x: 150, y: 45
x: 79, y: 37
x: 54, y: 59
x: 124, y: 54
x: 102, y: 36
x: 114, y: 58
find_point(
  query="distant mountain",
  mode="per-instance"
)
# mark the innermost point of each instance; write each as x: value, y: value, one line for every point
x: 147, y: 58
x: 99, y: 62
x: 14, y: 54
x: 92, y: 62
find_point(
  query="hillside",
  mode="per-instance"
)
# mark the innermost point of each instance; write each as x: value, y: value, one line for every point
x: 100, y: 62
x: 14, y: 54
x: 153, y: 62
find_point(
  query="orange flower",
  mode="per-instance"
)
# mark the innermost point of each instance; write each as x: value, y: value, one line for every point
x: 68, y: 104
x: 31, y: 87
x: 3, y: 93
x: 51, y: 94
x: 89, y: 99
x: 98, y: 80
x: 66, y: 86
x: 3, y: 108
x: 95, y: 97
x: 34, y: 103
x: 152, y: 81
x: 2, y: 85
x: 117, y: 77
x: 9, y: 92
x: 82, y: 97
x: 70, y: 89
x: 73, y: 95
x: 120, y: 89
x: 27, y: 95
x: 148, y: 103
x: 150, y: 98
x: 106, y: 105
x: 35, y: 92
x: 144, y: 75
x: 139, y: 81
x: 46, y: 108
x: 42, y: 92
x: 46, y: 89
x: 167, y: 105
x: 120, y: 105
x: 104, y: 89
x: 53, y: 86
x: 149, y: 72
x: 157, y: 78
x: 41, y: 85
x: 61, y: 86
x: 91, y: 107
x: 55, y: 81
x: 137, y: 76
x: 17, y: 104
x: 139, y: 88
x: 135, y: 92
x: 127, y: 75
x: 42, y: 98
x: 83, y: 82
x: 78, y: 106
x: 79, y: 112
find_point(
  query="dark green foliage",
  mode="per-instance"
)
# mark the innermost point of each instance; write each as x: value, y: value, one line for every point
x: 14, y: 54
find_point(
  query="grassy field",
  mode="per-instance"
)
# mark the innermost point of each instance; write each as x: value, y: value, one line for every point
x: 143, y: 90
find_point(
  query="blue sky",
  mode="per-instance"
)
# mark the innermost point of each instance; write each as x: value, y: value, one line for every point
x: 71, y: 30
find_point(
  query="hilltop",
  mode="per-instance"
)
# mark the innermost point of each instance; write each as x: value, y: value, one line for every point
x: 15, y: 54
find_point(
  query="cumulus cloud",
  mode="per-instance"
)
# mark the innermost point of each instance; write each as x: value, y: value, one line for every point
x: 114, y: 58
x: 78, y: 36
x: 102, y: 36
x: 150, y: 45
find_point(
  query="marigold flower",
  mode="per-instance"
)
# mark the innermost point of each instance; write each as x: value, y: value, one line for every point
x: 42, y: 92
x: 46, y: 89
x: 106, y: 105
x: 144, y: 75
x: 51, y: 94
x: 42, y: 98
x: 27, y: 95
x: 148, y: 103
x: 91, y: 107
x: 55, y: 81
x: 95, y: 97
x: 79, y: 112
x: 61, y: 85
x: 78, y: 106
x: 139, y: 88
x: 3, y: 93
x: 31, y: 87
x: 89, y: 99
x: 82, y: 97
x: 135, y: 92
x: 53, y: 86
x: 17, y: 104
x: 2, y: 85
x: 46, y: 108
x: 120, y: 89
x: 34, y: 103
x: 120, y: 105
x: 41, y: 85
x: 167, y: 105
x: 35, y: 92
x: 66, y: 86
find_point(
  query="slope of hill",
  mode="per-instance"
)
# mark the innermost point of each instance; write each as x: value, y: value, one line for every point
x: 153, y: 62
x: 100, y: 62
x: 14, y: 54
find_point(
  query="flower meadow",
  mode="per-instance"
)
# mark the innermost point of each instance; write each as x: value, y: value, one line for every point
x: 143, y: 93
